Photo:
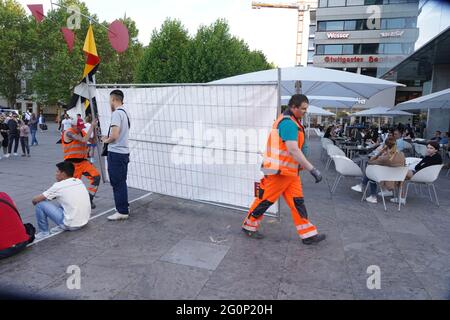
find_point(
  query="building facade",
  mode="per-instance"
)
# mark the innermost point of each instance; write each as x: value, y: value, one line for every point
x: 368, y: 37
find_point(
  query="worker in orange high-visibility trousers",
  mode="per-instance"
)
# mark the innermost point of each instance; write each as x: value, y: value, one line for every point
x: 75, y: 148
x: 283, y: 161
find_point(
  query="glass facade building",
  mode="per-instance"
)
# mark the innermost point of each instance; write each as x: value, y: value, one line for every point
x: 363, y: 36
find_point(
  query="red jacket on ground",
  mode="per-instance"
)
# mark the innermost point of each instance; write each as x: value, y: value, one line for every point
x: 12, y: 231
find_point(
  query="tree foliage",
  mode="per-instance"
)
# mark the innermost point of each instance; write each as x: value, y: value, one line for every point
x: 212, y: 54
x: 16, y: 39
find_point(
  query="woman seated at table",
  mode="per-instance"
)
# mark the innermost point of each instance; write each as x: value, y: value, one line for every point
x: 433, y: 158
x: 389, y: 157
x: 409, y: 135
x: 330, y: 134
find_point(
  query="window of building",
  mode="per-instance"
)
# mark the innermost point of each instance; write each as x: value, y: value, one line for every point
x: 320, y: 49
x: 310, y: 56
x: 352, y: 70
x: 350, y: 25
x: 410, y: 23
x: 335, y: 26
x: 355, y: 3
x: 398, y: 23
x: 333, y: 49
x: 371, y: 72
x: 369, y: 48
x: 336, y: 3
x: 347, y: 49
x: 18, y: 106
x: 323, y: 3
x: 372, y: 2
x: 311, y: 44
x: 322, y: 26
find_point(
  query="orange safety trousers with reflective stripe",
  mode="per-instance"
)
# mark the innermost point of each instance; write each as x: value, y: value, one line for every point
x: 79, y: 150
x: 271, y: 189
x: 88, y: 170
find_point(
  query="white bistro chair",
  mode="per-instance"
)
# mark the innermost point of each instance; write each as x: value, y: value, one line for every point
x: 380, y: 174
x: 420, y: 149
x: 427, y: 177
x: 325, y: 143
x: 344, y: 168
x: 332, y: 151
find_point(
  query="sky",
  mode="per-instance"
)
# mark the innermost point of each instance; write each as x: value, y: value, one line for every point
x: 272, y: 31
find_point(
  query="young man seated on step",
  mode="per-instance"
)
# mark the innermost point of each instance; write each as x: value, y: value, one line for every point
x: 73, y: 208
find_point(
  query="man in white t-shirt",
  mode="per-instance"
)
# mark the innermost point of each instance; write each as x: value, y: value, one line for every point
x: 66, y: 124
x: 73, y: 210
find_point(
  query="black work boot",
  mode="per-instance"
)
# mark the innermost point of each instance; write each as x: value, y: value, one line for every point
x: 93, y: 206
x: 314, y: 240
x: 253, y: 234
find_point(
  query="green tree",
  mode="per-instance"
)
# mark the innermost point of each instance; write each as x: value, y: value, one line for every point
x: 164, y: 57
x: 16, y: 36
x: 173, y: 57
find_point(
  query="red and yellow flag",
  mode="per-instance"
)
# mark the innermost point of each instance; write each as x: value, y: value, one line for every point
x: 92, y: 58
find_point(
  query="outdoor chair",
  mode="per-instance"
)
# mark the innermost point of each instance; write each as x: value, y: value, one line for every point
x: 409, y: 150
x: 344, y: 168
x: 325, y: 142
x: 427, y: 177
x: 332, y: 150
x: 420, y: 149
x: 380, y: 174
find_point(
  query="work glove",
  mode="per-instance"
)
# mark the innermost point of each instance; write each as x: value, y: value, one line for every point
x: 317, y: 175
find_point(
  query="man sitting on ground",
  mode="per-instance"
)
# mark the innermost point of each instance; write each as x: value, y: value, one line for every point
x: 73, y: 210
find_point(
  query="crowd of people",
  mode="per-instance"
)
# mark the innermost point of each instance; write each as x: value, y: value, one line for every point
x: 19, y: 128
x: 69, y: 203
x: 391, y: 146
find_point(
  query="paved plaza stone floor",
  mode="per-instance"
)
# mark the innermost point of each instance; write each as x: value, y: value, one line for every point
x: 178, y: 249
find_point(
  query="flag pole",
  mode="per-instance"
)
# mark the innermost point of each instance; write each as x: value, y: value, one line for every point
x: 94, y: 116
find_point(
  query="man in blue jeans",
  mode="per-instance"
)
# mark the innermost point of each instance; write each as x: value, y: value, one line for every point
x: 118, y: 155
x: 73, y: 208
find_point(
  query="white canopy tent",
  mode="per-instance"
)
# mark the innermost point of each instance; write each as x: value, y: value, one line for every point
x: 437, y: 100
x: 317, y: 82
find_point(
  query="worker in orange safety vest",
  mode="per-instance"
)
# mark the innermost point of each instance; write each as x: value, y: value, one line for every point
x: 75, y: 148
x: 283, y: 161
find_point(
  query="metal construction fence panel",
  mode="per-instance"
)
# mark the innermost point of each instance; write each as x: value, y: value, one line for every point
x: 197, y: 142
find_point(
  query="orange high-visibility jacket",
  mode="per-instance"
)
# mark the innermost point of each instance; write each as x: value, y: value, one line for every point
x: 277, y: 159
x: 74, y: 149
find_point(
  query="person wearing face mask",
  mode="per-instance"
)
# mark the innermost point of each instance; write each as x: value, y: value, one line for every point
x: 433, y: 158
x: 283, y: 161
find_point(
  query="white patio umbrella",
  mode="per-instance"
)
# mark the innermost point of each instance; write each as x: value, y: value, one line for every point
x: 437, y: 100
x: 380, y: 112
x: 317, y: 82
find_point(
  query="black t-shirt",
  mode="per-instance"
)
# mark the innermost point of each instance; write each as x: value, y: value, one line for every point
x: 429, y: 161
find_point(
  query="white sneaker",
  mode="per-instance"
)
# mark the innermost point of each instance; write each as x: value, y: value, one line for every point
x: 386, y: 193
x: 395, y: 200
x: 358, y: 188
x: 372, y: 199
x: 57, y: 229
x: 42, y: 235
x: 16, y: 154
x: 118, y: 217
x: 7, y: 155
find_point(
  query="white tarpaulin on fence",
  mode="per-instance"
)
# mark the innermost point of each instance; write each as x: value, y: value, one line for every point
x: 199, y: 142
